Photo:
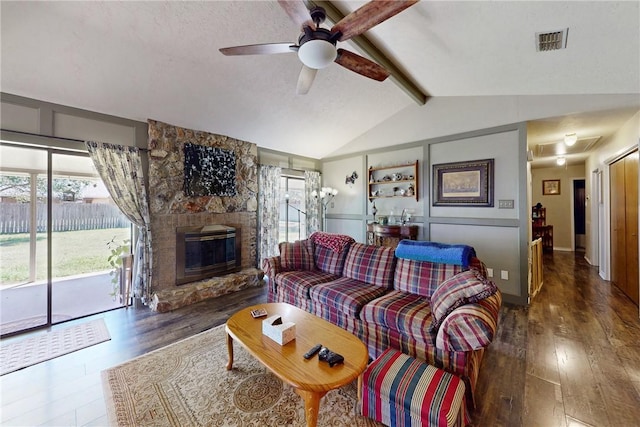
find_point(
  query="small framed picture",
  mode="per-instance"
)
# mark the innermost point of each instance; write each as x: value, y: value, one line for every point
x: 259, y: 312
x: 550, y: 187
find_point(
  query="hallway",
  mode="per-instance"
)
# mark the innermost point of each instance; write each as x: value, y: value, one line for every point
x: 571, y: 359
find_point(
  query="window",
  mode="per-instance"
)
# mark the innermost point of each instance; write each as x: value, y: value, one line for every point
x: 293, y: 217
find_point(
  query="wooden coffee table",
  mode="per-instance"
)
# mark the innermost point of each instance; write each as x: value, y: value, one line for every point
x: 311, y: 378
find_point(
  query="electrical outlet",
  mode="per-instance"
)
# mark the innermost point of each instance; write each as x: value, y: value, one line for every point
x: 505, y: 204
x: 504, y: 274
x: 490, y: 272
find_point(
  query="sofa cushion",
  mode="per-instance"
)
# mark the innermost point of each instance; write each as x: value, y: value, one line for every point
x: 370, y: 264
x: 422, y: 277
x: 297, y: 255
x: 466, y: 287
x: 300, y: 282
x: 330, y: 261
x: 345, y: 295
x: 409, y: 314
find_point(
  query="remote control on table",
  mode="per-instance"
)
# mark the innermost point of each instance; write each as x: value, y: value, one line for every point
x: 309, y: 354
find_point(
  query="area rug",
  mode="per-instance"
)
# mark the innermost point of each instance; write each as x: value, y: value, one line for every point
x: 16, y: 355
x: 187, y: 384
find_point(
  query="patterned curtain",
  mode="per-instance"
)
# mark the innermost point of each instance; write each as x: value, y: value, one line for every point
x: 120, y: 168
x: 268, y: 211
x: 311, y: 183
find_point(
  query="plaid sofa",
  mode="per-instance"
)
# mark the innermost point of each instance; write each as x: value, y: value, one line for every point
x: 387, y: 302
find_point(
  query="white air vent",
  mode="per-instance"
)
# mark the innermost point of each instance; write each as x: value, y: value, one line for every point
x: 551, y: 40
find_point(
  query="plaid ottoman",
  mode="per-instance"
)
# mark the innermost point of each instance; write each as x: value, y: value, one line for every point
x: 398, y: 390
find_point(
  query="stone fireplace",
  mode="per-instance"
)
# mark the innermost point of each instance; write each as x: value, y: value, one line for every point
x: 173, y: 212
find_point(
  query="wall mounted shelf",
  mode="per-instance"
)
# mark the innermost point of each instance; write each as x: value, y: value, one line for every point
x: 398, y: 181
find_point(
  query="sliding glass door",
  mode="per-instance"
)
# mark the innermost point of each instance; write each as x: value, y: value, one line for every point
x: 57, y: 231
x: 85, y: 226
x: 23, y: 238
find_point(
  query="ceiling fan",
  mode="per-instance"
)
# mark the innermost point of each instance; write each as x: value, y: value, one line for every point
x: 316, y: 46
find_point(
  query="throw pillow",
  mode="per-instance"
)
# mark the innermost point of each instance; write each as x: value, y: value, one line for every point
x: 466, y: 287
x: 297, y: 255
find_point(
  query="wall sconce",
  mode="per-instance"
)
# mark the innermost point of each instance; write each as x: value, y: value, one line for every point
x: 561, y: 161
x: 570, y: 139
x: 326, y: 195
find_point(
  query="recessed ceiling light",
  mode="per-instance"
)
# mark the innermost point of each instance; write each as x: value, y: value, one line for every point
x: 570, y: 139
x: 561, y: 161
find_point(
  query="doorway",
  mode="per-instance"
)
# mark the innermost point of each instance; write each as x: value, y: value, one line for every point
x: 56, y: 224
x: 579, y: 215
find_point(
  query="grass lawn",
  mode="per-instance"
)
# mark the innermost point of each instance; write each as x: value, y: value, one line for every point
x: 73, y: 252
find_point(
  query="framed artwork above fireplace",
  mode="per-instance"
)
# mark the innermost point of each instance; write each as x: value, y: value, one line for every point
x: 209, y: 171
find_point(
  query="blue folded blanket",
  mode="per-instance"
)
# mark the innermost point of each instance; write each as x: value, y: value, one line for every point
x: 435, y: 252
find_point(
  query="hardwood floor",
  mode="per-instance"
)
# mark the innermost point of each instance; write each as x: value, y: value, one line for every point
x: 571, y: 359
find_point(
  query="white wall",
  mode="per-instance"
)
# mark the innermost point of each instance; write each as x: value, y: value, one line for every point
x: 503, y: 148
x: 19, y: 117
x: 42, y: 118
x: 350, y: 197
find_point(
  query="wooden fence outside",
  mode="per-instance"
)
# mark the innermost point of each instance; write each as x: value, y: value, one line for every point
x: 15, y: 217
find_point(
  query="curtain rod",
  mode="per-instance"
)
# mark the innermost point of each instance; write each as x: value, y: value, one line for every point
x: 62, y: 138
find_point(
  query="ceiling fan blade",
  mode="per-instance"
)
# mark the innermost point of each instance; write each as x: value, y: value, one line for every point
x: 368, y: 16
x: 361, y: 65
x: 259, y: 49
x: 297, y: 11
x: 305, y: 80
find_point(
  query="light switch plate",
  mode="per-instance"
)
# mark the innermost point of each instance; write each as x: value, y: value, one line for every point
x: 504, y: 274
x: 505, y: 204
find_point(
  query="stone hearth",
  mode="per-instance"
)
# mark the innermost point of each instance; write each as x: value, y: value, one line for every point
x: 170, y: 299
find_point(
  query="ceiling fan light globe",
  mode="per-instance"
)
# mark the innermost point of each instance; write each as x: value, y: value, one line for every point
x: 317, y: 54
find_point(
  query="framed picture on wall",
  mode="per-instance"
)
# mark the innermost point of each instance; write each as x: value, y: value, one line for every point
x: 209, y: 171
x: 550, y: 187
x: 463, y: 183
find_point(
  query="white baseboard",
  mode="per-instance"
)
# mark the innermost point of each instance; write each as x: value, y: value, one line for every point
x: 555, y: 248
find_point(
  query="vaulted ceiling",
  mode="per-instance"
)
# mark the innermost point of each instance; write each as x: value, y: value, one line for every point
x: 160, y: 60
